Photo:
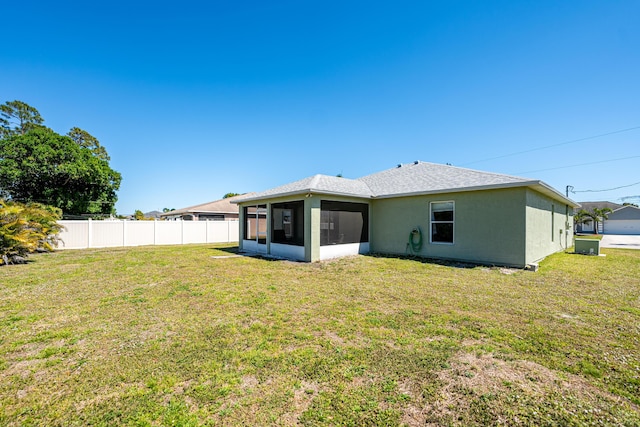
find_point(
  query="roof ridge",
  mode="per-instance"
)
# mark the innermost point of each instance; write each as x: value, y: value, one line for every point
x: 314, y: 181
x: 373, y: 193
x: 440, y: 165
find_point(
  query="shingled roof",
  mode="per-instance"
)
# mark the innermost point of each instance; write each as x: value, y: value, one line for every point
x: 317, y: 184
x: 589, y: 206
x: 405, y: 180
x: 423, y: 177
x: 217, y: 206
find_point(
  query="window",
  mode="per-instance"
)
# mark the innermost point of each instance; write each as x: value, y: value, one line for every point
x: 442, y: 219
x: 287, y: 223
x: 342, y: 222
x: 211, y: 217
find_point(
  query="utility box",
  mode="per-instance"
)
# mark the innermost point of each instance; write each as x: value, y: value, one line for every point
x: 587, y: 247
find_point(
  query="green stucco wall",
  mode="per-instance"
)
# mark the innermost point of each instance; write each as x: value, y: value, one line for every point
x: 549, y: 226
x: 488, y: 226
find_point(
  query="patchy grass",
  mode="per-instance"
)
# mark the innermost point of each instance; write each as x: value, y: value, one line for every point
x: 171, y: 336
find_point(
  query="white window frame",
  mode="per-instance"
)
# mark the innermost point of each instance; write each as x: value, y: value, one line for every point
x: 452, y: 222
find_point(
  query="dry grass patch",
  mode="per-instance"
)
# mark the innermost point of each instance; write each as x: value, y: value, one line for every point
x: 482, y: 389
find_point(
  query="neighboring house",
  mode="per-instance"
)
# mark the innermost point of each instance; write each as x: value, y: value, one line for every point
x: 624, y: 220
x: 588, y: 227
x: 148, y: 215
x: 424, y: 209
x: 153, y: 214
x: 218, y: 210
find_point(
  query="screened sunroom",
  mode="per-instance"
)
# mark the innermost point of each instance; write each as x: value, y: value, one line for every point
x: 309, y: 229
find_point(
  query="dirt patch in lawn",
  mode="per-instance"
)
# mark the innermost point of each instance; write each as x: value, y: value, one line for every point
x: 481, y: 383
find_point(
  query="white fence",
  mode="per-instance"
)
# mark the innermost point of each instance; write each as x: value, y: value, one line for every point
x: 104, y: 234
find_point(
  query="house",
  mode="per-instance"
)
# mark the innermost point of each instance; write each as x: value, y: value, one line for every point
x: 424, y: 209
x: 218, y: 210
x: 624, y: 220
x: 588, y: 227
x: 151, y: 215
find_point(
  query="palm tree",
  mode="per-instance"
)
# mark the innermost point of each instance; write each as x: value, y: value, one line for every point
x: 581, y: 217
x: 598, y: 215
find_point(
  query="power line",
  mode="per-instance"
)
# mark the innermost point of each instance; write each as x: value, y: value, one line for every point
x: 553, y: 145
x: 580, y: 164
x: 608, y: 189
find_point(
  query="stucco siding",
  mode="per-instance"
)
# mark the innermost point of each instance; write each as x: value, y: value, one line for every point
x: 488, y: 226
x: 549, y: 226
x: 337, y: 251
x: 625, y: 213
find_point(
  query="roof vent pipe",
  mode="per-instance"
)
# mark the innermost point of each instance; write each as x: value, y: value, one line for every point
x: 399, y: 165
x: 416, y: 162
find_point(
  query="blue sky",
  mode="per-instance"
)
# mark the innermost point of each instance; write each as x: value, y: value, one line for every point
x: 199, y: 98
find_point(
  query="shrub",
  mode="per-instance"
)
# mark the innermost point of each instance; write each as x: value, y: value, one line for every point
x: 26, y: 228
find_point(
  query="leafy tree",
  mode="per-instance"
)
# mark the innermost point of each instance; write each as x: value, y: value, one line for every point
x: 226, y: 196
x: 86, y: 140
x: 630, y: 204
x: 26, y: 228
x: 43, y: 166
x: 138, y: 215
x: 165, y: 210
x: 17, y: 117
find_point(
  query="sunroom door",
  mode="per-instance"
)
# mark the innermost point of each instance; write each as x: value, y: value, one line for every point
x: 261, y: 230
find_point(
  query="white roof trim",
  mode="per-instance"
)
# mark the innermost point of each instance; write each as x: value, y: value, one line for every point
x: 303, y: 192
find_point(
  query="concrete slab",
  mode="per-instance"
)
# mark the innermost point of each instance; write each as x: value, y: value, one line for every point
x: 620, y: 241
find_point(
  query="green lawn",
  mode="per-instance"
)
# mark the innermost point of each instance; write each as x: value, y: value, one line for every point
x: 171, y: 336
x: 589, y: 236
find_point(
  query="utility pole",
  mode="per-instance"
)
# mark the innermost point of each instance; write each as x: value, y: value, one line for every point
x: 568, y: 188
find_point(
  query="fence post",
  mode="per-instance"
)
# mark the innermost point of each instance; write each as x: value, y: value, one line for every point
x: 206, y: 232
x: 89, y: 233
x: 182, y: 232
x: 124, y: 232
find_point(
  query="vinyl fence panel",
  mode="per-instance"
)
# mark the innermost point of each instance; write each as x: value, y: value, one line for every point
x: 104, y: 234
x: 139, y: 233
x: 194, y: 231
x: 107, y: 234
x: 75, y: 234
x: 168, y: 232
x: 223, y: 231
